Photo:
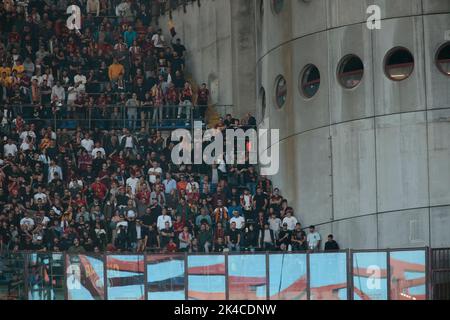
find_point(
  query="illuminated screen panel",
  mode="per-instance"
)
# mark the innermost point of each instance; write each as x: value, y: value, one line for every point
x: 247, y: 277
x: 165, y: 277
x: 408, y: 278
x: 12, y: 282
x: 85, y: 277
x: 288, y: 277
x: 206, y: 278
x: 370, y: 276
x: 46, y: 276
x: 125, y: 276
x: 328, y: 272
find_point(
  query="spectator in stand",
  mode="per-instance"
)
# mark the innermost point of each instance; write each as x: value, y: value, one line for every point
x: 331, y: 244
x: 233, y: 238
x: 313, y: 239
x: 115, y: 70
x: 202, y: 100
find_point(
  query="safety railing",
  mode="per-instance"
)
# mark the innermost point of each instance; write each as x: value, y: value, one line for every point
x: 116, y: 116
x: 393, y: 274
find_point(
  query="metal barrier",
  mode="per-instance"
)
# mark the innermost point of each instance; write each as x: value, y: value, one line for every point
x: 440, y: 273
x: 397, y: 274
x: 117, y: 116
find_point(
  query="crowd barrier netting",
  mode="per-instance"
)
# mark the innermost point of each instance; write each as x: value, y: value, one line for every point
x: 397, y: 274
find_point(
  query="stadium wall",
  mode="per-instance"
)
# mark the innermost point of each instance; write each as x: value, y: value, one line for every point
x: 220, y: 38
x: 371, y: 164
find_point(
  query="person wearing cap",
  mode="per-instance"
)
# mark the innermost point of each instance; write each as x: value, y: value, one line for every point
x: 313, y: 239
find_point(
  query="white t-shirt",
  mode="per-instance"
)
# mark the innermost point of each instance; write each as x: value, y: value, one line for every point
x: 152, y: 178
x: 26, y: 134
x: 161, y: 223
x: 40, y: 195
x: 129, y: 142
x: 191, y: 185
x: 10, y: 149
x: 158, y: 41
x: 25, y: 146
x: 88, y: 144
x: 240, y: 222
x: 95, y: 150
x: 291, y: 222
x: 313, y: 240
x: 132, y: 182
x: 27, y: 221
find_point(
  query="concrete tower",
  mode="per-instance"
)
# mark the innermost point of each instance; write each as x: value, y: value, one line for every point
x: 364, y: 116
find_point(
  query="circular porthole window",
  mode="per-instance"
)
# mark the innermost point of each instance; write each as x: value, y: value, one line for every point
x: 277, y: 5
x: 443, y: 59
x: 398, y: 64
x: 309, y: 81
x: 262, y: 96
x: 350, y: 71
x: 280, y: 91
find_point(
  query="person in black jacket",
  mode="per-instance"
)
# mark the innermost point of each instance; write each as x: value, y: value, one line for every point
x: 331, y: 244
x: 266, y: 238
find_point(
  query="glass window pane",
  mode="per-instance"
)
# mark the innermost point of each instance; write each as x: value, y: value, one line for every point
x: 85, y: 277
x: 399, y: 64
x: 12, y: 282
x: 165, y: 277
x: 125, y: 276
x: 46, y: 276
x: 277, y: 5
x: 247, y: 277
x: 370, y: 276
x: 281, y: 91
x: 443, y: 59
x: 407, y: 275
x: 328, y: 272
x: 350, y: 71
x: 206, y: 277
x: 288, y: 277
x: 309, y: 81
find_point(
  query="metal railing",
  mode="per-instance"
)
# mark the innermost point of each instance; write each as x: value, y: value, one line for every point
x: 391, y: 274
x: 116, y: 116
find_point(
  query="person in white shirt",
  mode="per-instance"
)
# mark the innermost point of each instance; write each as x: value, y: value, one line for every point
x: 27, y: 223
x: 154, y: 172
x: 192, y: 185
x: 275, y: 225
x: 239, y: 220
x: 98, y: 148
x: 26, y: 145
x: 162, y: 219
x: 290, y: 220
x: 169, y: 184
x: 313, y: 239
x: 158, y: 40
x: 52, y: 169
x: 40, y: 195
x: 87, y: 143
x: 30, y: 133
x: 80, y: 80
x: 10, y: 149
x: 132, y: 183
x: 58, y: 92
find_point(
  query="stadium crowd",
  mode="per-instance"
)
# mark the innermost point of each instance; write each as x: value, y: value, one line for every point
x: 112, y: 187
